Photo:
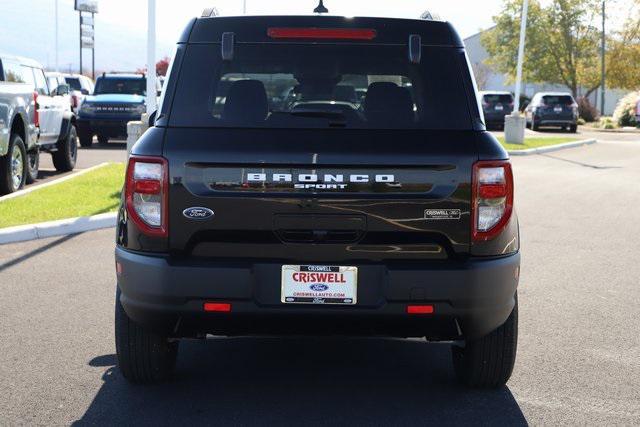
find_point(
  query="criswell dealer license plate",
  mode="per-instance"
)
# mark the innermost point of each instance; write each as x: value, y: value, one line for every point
x: 319, y: 284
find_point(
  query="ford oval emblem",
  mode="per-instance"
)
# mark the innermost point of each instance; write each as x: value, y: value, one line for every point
x: 319, y: 287
x: 198, y: 213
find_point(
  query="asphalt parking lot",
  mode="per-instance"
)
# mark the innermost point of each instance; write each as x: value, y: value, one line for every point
x: 578, y: 349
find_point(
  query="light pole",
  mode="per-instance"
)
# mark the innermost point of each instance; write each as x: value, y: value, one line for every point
x: 603, y: 65
x: 523, y: 32
x: 151, y: 56
x: 56, y: 37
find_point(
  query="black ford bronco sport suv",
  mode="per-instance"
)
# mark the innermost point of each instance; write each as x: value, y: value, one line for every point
x: 268, y: 197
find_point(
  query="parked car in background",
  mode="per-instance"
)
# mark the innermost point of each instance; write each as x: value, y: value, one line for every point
x: 59, y: 86
x: 116, y: 100
x: 33, y: 118
x: 496, y: 105
x: 81, y: 86
x: 552, y: 109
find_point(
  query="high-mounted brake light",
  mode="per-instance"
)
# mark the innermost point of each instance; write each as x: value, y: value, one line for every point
x: 322, y: 33
x: 420, y: 309
x: 217, y: 307
x: 492, y: 198
x: 146, y: 194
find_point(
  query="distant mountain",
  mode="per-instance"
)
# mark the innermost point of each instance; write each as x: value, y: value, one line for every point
x: 27, y: 29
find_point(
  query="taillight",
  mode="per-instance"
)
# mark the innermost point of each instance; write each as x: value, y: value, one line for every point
x: 492, y: 198
x: 146, y: 194
x: 36, y: 107
x: 322, y: 33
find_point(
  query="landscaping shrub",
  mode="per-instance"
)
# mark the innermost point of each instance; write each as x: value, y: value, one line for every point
x: 625, y: 112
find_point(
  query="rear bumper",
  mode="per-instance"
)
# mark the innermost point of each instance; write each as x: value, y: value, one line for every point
x: 471, y: 298
x: 555, y: 120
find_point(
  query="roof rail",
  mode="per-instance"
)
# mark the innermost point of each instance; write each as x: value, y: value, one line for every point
x: 209, y: 12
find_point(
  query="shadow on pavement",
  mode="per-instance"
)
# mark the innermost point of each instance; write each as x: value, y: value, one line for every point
x: 575, y: 162
x: 302, y: 381
x: 112, y: 145
x: 37, y: 251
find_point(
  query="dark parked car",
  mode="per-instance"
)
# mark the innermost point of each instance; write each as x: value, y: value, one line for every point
x: 244, y: 215
x: 116, y: 100
x: 495, y: 106
x: 552, y: 109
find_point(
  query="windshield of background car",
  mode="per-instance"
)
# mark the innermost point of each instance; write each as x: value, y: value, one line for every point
x: 557, y: 100
x: 321, y: 85
x: 495, y: 99
x: 121, y: 86
x: 74, y: 83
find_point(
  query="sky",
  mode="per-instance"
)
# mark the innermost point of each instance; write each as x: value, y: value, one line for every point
x: 27, y: 26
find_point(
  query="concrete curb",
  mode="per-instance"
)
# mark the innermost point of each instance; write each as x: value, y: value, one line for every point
x: 23, y: 233
x: 549, y: 149
x: 50, y: 183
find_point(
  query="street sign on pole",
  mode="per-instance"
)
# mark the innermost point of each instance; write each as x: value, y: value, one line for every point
x: 90, y: 6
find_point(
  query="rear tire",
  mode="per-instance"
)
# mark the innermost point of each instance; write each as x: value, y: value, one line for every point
x: 573, y: 128
x: 33, y: 165
x: 64, y: 160
x: 488, y: 361
x: 144, y: 357
x: 103, y: 139
x: 13, y: 166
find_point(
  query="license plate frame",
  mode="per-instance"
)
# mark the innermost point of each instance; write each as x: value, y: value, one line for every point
x: 320, y: 285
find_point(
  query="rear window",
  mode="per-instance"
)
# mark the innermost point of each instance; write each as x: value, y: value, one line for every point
x: 557, y: 100
x: 121, y: 86
x: 498, y: 99
x: 321, y: 85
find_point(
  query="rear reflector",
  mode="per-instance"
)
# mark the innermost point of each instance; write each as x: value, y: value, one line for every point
x: 322, y: 33
x: 420, y: 309
x: 220, y: 307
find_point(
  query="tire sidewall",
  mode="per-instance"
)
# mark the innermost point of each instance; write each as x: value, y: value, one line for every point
x: 15, y: 142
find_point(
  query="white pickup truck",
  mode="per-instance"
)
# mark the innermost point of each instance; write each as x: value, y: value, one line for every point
x: 33, y: 118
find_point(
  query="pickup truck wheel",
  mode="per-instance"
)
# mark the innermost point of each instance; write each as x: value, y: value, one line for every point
x: 144, y: 357
x: 64, y: 160
x: 33, y: 165
x: 103, y: 139
x: 573, y: 128
x: 13, y: 166
x: 488, y: 362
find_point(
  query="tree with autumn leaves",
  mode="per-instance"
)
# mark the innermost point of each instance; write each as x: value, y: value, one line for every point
x: 563, y: 45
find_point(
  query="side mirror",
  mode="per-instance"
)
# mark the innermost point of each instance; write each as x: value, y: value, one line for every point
x: 152, y: 118
x: 61, y: 90
x: 84, y: 91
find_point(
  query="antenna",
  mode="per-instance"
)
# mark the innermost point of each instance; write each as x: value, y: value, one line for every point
x: 321, y: 8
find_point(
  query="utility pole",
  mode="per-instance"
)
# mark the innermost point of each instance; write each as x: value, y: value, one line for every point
x: 151, y: 57
x: 56, y: 26
x: 523, y: 32
x: 603, y: 64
